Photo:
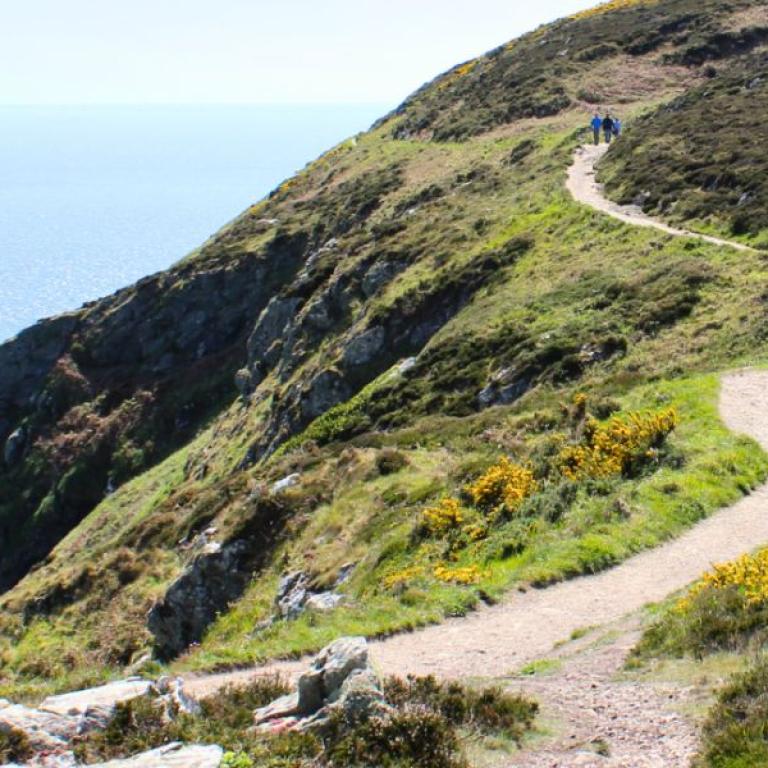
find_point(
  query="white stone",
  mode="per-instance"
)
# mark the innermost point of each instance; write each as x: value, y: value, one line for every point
x: 102, y: 699
x: 171, y: 756
x: 285, y: 483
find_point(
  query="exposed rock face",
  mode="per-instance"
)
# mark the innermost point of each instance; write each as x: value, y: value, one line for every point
x: 173, y: 755
x: 339, y: 679
x: 144, y: 345
x: 295, y: 594
x: 52, y: 727
x: 14, y: 447
x: 99, y: 702
x: 27, y: 359
x: 210, y: 582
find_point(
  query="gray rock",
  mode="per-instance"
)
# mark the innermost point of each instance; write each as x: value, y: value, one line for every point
x: 339, y: 679
x: 99, y: 702
x: 270, y: 327
x: 14, y: 447
x: 363, y: 348
x: 46, y: 731
x: 379, y: 275
x: 291, y: 594
x: 173, y: 755
x: 215, y: 577
x: 323, y: 602
x: 244, y: 382
x: 407, y: 365
x: 174, y: 698
x: 285, y: 483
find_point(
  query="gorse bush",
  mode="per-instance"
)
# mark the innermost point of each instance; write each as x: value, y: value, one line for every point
x: 505, y: 484
x: 620, y: 447
x: 726, y: 609
x: 747, y: 574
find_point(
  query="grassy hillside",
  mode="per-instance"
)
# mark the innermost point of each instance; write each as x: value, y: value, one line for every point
x: 444, y: 238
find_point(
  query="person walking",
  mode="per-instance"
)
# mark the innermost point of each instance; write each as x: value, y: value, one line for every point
x: 616, y: 127
x: 597, y: 124
x: 608, y: 128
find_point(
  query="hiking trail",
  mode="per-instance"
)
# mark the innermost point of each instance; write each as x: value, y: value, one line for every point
x: 584, y: 187
x: 639, y: 721
x: 601, y: 720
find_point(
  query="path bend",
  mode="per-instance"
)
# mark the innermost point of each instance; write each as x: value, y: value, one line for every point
x: 584, y: 188
x: 493, y: 641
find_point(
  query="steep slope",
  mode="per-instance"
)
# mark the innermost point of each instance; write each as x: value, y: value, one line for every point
x: 444, y: 237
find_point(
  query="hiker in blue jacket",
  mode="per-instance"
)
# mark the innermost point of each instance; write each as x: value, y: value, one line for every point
x: 597, y: 124
x: 608, y: 128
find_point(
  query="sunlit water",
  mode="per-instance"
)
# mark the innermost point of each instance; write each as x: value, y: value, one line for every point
x: 93, y: 198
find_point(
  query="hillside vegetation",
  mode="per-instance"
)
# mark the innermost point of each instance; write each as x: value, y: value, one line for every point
x: 471, y: 381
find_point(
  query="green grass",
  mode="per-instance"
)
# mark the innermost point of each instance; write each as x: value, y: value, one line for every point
x: 630, y: 316
x: 717, y: 469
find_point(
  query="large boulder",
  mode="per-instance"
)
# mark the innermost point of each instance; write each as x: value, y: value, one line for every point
x: 339, y: 679
x: 173, y: 755
x: 45, y: 731
x: 96, y: 703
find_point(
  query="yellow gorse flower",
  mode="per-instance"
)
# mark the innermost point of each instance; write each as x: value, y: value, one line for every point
x: 612, y: 448
x: 444, y: 517
x: 748, y: 574
x: 399, y: 578
x: 614, y: 5
x: 467, y: 575
x: 504, y: 484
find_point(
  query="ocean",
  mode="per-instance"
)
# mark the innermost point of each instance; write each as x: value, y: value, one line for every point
x: 94, y: 198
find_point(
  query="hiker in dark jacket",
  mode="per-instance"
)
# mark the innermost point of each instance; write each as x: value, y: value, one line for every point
x: 608, y: 128
x: 597, y: 124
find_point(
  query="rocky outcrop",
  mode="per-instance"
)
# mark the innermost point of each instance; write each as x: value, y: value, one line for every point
x: 51, y: 729
x: 340, y: 679
x: 214, y: 578
x: 295, y: 595
x: 149, y: 362
x: 375, y: 344
x: 173, y: 755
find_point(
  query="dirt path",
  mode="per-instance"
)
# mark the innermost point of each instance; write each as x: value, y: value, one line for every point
x: 494, y: 641
x: 584, y: 188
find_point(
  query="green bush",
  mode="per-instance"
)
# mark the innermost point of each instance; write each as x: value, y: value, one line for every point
x: 14, y: 746
x: 735, y: 734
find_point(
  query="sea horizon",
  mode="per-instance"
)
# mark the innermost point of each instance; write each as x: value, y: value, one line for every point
x: 96, y: 196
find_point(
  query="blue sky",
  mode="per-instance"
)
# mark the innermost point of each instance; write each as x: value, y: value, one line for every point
x: 246, y: 51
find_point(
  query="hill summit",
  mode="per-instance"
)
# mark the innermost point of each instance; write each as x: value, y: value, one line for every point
x: 417, y: 374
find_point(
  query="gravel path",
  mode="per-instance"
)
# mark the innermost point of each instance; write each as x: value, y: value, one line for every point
x: 584, y: 187
x: 493, y: 641
x: 601, y: 720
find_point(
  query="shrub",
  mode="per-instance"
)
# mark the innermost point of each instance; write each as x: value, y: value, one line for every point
x: 441, y: 519
x: 14, y: 746
x: 490, y: 710
x: 504, y: 485
x: 467, y: 575
x: 411, y: 736
x: 390, y: 461
x: 735, y: 734
x: 620, y: 447
x: 726, y: 609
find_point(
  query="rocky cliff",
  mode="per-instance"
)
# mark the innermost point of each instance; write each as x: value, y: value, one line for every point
x: 413, y: 302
